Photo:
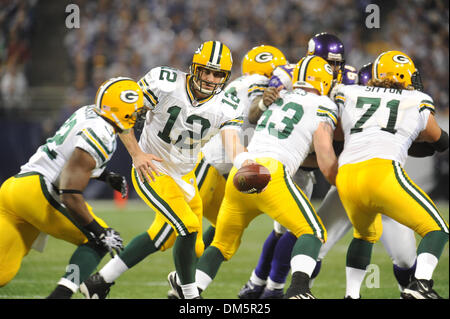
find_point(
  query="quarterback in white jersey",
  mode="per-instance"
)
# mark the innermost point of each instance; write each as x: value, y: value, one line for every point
x: 187, y: 109
x: 380, y: 122
x: 178, y: 125
x: 54, y: 179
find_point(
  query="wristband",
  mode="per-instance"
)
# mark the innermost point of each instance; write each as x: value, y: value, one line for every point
x: 261, y: 105
x: 442, y: 143
x: 95, y: 228
x: 103, y: 176
x: 240, y: 159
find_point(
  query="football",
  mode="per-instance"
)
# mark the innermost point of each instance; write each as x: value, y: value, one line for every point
x: 252, y: 178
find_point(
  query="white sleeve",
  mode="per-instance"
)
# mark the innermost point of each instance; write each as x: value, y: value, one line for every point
x: 328, y: 112
x: 98, y: 142
x: 426, y: 107
x: 149, y: 84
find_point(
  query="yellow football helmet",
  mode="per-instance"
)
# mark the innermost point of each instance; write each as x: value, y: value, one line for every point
x: 214, y: 56
x: 394, y: 65
x: 313, y: 72
x: 121, y: 101
x: 262, y: 60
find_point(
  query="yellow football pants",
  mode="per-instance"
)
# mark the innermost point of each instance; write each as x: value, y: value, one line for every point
x: 282, y: 200
x: 211, y: 185
x: 379, y: 186
x: 174, y: 215
x: 26, y: 209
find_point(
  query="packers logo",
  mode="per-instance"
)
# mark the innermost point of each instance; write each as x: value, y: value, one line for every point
x: 399, y: 58
x: 328, y: 69
x: 129, y: 96
x: 264, y: 57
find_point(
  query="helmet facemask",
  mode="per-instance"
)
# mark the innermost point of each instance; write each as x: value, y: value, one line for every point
x: 200, y: 85
x: 416, y: 81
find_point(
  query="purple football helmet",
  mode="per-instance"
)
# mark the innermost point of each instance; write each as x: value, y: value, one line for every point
x: 365, y: 74
x: 330, y: 48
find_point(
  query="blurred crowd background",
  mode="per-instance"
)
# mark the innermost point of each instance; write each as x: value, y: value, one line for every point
x: 48, y: 70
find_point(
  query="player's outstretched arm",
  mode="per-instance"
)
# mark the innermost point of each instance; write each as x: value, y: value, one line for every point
x: 260, y: 104
x: 73, y: 180
x: 434, y: 135
x: 143, y: 162
x: 326, y: 158
x: 232, y: 143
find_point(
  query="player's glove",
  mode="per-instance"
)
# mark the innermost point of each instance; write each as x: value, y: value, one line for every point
x: 116, y: 181
x: 105, y: 238
x: 111, y: 240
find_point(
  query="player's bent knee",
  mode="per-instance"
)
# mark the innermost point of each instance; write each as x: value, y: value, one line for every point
x: 368, y: 238
x: 226, y: 252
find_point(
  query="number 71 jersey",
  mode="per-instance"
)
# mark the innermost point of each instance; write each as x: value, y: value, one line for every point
x: 178, y: 125
x: 380, y: 122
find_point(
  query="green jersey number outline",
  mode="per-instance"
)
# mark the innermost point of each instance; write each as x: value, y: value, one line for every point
x: 174, y: 112
x: 289, y: 121
x: 59, y: 136
x: 168, y: 74
x: 375, y: 103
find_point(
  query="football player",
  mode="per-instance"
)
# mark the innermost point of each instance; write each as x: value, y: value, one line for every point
x: 388, y: 114
x: 258, y: 65
x: 186, y: 111
x: 268, y: 278
x: 335, y: 218
x: 282, y: 140
x: 53, y: 181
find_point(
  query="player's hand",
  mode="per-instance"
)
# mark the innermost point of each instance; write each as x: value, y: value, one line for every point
x: 111, y: 240
x: 143, y: 163
x: 271, y: 94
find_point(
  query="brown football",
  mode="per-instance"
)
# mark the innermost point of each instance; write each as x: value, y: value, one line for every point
x: 251, y: 179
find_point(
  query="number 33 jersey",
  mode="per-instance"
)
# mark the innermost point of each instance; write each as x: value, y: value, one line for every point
x: 178, y: 125
x: 85, y: 129
x: 380, y: 122
x: 285, y: 130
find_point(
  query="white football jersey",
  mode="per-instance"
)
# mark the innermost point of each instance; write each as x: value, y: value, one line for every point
x: 379, y: 122
x: 178, y: 126
x: 246, y: 88
x: 85, y: 129
x: 285, y: 130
